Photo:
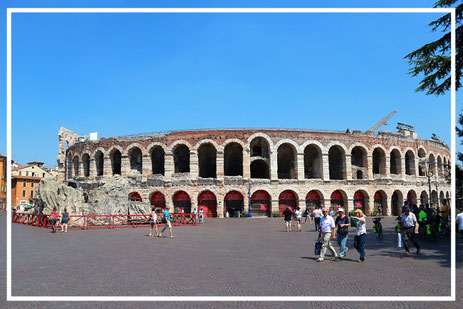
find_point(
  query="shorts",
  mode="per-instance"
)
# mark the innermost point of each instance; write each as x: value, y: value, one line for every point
x: 64, y: 221
x: 168, y: 224
x: 152, y: 222
x: 288, y: 223
x: 298, y: 219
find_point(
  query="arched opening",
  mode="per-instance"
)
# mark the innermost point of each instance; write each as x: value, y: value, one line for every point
x: 412, y: 198
x: 337, y: 200
x: 447, y: 196
x: 207, y: 156
x: 99, y: 162
x: 157, y: 160
x: 260, y: 148
x: 135, y: 158
x: 134, y: 197
x: 182, y: 159
x: 336, y: 158
x: 359, y: 162
x: 379, y: 161
x: 208, y: 202
x: 75, y: 164
x: 409, y: 163
x: 361, y: 201
x: 434, y: 199
x: 287, y: 198
x: 158, y: 201
x: 381, y: 202
x: 432, y: 164
x: 260, y: 169
x: 286, y: 162
x: 313, y: 199
x: 260, y: 204
x: 234, y: 203
x: 446, y: 166
x: 86, y: 164
x: 441, y: 197
x: 182, y: 202
x: 395, y: 164
x: 396, y: 203
x: 115, y: 156
x: 421, y: 157
x: 424, y: 198
x: 312, y: 162
x: 440, y: 169
x: 233, y: 160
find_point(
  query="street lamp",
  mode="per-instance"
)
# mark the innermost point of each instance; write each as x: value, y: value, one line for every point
x: 426, y: 165
x: 249, y: 196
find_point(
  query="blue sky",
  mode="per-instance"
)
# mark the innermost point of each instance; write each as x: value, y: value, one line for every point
x: 121, y: 74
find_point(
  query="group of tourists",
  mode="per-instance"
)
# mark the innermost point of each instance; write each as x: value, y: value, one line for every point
x: 54, y: 219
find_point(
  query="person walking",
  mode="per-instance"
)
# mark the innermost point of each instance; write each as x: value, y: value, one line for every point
x: 326, y: 233
x: 317, y: 214
x: 153, y: 222
x: 407, y: 225
x: 306, y: 215
x: 201, y: 215
x: 64, y: 220
x: 54, y: 219
x: 298, y: 218
x: 288, y: 215
x: 166, y: 220
x: 342, y: 224
x: 360, y: 235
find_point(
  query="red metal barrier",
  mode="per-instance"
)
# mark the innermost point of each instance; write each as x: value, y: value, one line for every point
x: 86, y: 222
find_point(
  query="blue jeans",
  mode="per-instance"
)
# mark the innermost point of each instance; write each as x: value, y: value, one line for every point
x: 342, y: 242
x: 359, y: 244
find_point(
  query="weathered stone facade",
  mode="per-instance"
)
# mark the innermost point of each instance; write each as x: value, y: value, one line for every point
x: 283, y: 165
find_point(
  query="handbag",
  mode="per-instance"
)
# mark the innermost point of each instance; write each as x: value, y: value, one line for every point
x: 318, y: 247
x: 343, y: 230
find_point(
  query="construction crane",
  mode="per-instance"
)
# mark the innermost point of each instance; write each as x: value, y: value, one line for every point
x: 381, y: 123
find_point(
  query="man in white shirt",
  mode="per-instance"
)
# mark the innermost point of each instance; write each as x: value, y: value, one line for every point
x: 408, y: 230
x: 317, y: 214
x: 326, y: 233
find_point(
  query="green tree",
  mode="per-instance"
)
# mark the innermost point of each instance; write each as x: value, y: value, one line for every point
x: 433, y: 59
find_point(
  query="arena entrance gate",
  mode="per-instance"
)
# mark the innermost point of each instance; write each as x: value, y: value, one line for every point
x: 260, y: 204
x: 182, y: 202
x: 158, y: 202
x: 379, y: 203
x: 359, y: 201
x: 234, y: 204
x: 411, y: 198
x: 312, y: 200
x: 208, y: 202
x: 134, y: 197
x: 287, y: 198
x: 337, y: 200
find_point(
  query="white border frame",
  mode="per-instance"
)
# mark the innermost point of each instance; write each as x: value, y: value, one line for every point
x: 452, y: 296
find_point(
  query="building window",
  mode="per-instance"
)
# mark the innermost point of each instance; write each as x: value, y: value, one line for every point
x: 32, y: 194
x: 24, y: 193
x: 27, y: 173
x: 19, y: 173
x: 24, y: 184
x: 32, y: 184
x: 33, y: 174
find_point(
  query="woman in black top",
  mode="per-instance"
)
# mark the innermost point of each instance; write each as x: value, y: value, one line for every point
x: 342, y: 226
x: 64, y: 221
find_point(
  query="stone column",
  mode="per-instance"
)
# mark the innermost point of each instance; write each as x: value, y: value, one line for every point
x: 402, y: 167
x: 348, y: 167
x: 125, y: 165
x: 388, y: 166
x: 169, y: 167
x: 326, y: 167
x: 370, y: 167
x: 246, y: 164
x: 146, y: 166
x: 107, y: 168
x: 92, y: 168
x: 220, y: 165
x: 274, y: 165
x: 194, y: 164
x: 300, y: 166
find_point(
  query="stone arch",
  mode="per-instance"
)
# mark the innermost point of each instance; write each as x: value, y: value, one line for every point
x: 432, y: 164
x: 99, y: 162
x: 395, y: 161
x: 424, y: 198
x: 314, y: 198
x: 379, y: 161
x: 421, y: 158
x: 338, y: 198
x: 362, y: 201
x: 115, y: 157
x: 412, y: 198
x: 233, y: 159
x: 410, y: 163
x: 434, y: 198
x: 207, y: 201
x: 111, y: 149
x: 287, y: 198
x: 261, y: 203
x: 181, y: 154
x: 359, y: 162
x: 441, y: 197
x: 86, y: 163
x: 262, y: 135
x: 287, y: 141
x: 287, y: 161
x: 76, y: 165
x: 337, y: 162
x: 380, y: 202
x: 234, y: 203
x: 181, y: 201
x: 396, y: 203
x: 313, y: 167
x: 440, y: 169
x: 157, y: 155
x: 158, y: 201
x: 132, y: 146
x: 135, y: 197
x: 208, y: 141
x: 260, y: 169
x: 135, y: 155
x: 260, y: 147
x: 178, y: 143
x: 207, y: 159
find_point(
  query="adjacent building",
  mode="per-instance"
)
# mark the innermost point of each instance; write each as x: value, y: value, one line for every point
x: 2, y: 182
x: 24, y: 182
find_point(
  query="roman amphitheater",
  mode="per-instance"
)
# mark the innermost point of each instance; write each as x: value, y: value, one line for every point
x: 226, y: 170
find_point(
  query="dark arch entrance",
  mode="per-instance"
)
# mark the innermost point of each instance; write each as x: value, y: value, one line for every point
x: 208, y: 202
x: 135, y: 197
x: 182, y: 159
x: 336, y: 158
x: 260, y: 204
x: 380, y: 201
x: 260, y: 169
x: 116, y: 160
x: 234, y: 203
x: 337, y: 200
x: 158, y: 201
x: 233, y: 160
x: 207, y: 157
x: 396, y: 203
x: 313, y: 200
x: 182, y: 202
x: 411, y: 198
x: 359, y: 201
x: 287, y: 198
